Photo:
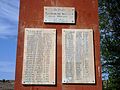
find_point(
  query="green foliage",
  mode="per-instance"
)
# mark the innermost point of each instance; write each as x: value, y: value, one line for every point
x: 109, y: 15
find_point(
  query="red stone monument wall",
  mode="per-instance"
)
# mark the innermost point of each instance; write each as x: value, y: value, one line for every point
x: 32, y: 15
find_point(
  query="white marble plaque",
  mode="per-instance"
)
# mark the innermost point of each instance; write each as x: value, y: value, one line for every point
x: 39, y: 56
x: 78, y: 56
x: 59, y: 14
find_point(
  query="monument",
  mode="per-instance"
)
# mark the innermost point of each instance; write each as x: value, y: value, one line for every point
x: 58, y: 45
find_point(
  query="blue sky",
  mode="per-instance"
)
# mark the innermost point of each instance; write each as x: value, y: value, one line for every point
x: 9, y: 14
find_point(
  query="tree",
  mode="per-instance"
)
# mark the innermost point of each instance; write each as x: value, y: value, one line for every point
x: 109, y: 14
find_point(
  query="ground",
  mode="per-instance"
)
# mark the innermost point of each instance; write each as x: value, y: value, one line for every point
x: 6, y: 84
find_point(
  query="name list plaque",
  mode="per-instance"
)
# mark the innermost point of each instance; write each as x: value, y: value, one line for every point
x: 78, y: 56
x: 39, y: 56
x: 59, y: 15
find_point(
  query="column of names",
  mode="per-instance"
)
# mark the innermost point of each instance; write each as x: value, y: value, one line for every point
x: 39, y: 56
x: 77, y: 56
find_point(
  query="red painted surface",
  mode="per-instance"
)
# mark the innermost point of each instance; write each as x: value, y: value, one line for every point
x: 31, y: 16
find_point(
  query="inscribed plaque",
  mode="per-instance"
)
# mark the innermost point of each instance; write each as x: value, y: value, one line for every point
x: 77, y: 56
x: 59, y: 14
x: 39, y: 56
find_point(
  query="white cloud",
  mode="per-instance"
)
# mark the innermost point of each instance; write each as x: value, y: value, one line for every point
x: 9, y: 11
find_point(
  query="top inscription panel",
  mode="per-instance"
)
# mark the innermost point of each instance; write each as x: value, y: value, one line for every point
x: 59, y: 15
